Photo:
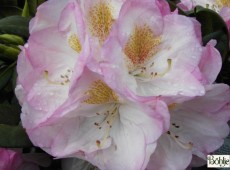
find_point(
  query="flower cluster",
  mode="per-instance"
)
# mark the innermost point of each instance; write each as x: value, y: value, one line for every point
x: 123, y: 84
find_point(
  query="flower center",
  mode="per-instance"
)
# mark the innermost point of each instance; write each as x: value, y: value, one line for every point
x: 100, y: 93
x: 107, y: 123
x: 100, y: 20
x: 141, y: 46
x: 74, y: 43
x: 64, y: 78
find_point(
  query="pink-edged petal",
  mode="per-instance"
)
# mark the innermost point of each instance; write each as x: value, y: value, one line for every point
x: 172, y: 84
x: 203, y: 120
x: 128, y: 134
x: 210, y: 63
x: 216, y: 97
x: 225, y: 11
x: 44, y: 18
x: 169, y: 155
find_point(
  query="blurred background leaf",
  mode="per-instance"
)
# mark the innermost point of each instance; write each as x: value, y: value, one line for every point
x: 9, y: 114
x: 13, y: 137
x: 213, y: 27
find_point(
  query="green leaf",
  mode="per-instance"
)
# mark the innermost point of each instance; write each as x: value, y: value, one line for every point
x: 13, y: 137
x: 8, y: 53
x: 16, y: 25
x: 9, y: 114
x: 30, y: 7
x: 9, y: 10
x: 213, y: 27
x: 5, y: 74
x: 11, y: 39
x: 26, y: 11
x: 14, y: 78
x: 8, y: 2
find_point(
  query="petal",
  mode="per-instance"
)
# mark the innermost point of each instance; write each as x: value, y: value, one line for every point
x: 129, y: 150
x: 216, y: 97
x: 44, y: 18
x: 169, y: 155
x: 213, y: 111
x: 210, y: 63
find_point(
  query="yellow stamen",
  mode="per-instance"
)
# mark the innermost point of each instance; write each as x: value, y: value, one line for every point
x: 182, y: 144
x: 46, y: 76
x: 100, y: 20
x: 74, y: 43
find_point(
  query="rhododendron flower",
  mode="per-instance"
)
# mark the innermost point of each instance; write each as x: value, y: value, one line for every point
x: 46, y: 63
x: 103, y: 127
x: 198, y: 127
x: 152, y: 53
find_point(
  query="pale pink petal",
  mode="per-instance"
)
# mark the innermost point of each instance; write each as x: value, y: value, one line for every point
x: 44, y: 18
x: 169, y: 155
x: 210, y: 63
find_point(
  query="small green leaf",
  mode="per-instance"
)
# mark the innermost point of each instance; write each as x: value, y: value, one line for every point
x: 5, y: 74
x: 11, y: 39
x: 15, y: 25
x: 8, y: 53
x: 13, y: 137
x: 26, y: 11
x: 9, y: 114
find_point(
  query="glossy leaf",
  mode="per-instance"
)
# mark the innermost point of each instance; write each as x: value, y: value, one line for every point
x: 9, y: 114
x: 213, y: 27
x: 11, y: 39
x: 16, y: 25
x: 8, y: 53
x: 13, y: 137
x: 9, y: 2
x: 9, y: 10
x: 5, y: 75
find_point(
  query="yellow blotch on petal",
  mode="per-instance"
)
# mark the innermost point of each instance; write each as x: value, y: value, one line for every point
x: 223, y: 3
x: 74, y: 43
x: 141, y: 45
x: 100, y: 93
x: 100, y: 20
x: 172, y: 106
